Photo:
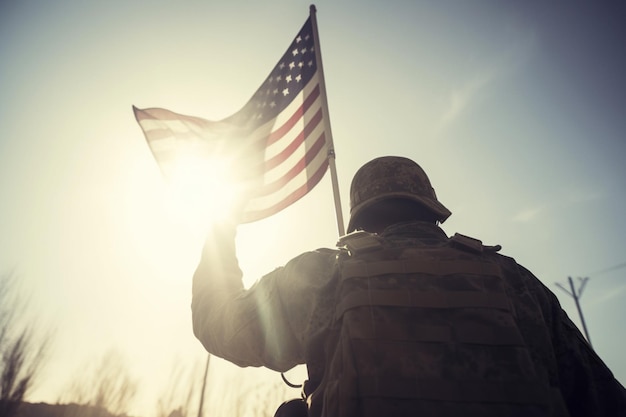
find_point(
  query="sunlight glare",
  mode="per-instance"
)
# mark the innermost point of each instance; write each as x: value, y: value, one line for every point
x: 201, y: 189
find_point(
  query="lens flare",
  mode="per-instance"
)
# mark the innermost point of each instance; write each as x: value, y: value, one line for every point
x: 201, y: 189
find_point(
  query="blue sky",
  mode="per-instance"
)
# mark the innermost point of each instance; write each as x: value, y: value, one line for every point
x: 515, y: 109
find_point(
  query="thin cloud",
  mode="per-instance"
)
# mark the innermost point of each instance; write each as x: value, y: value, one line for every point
x: 460, y: 99
x: 508, y: 60
x: 572, y: 197
x: 580, y: 195
x: 615, y: 292
x: 528, y: 214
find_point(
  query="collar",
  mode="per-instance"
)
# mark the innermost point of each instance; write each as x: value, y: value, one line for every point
x: 416, y: 230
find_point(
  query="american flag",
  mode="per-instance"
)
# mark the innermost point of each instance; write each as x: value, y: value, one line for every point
x: 277, y: 140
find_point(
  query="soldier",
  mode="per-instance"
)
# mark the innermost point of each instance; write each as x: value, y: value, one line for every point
x: 401, y: 320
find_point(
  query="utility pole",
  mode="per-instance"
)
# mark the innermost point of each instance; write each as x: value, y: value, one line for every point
x: 206, y: 373
x: 576, y: 295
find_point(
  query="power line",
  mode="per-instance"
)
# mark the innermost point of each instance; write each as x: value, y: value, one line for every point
x: 612, y: 268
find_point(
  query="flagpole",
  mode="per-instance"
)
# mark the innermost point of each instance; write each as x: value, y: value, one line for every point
x: 328, y: 136
x: 206, y: 374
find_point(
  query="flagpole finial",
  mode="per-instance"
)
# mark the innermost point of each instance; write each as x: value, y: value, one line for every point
x: 312, y: 8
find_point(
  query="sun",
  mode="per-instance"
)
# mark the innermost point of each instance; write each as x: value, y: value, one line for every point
x: 201, y: 189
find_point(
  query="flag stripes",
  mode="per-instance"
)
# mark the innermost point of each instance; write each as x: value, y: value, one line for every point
x: 277, y: 141
x: 253, y: 213
x: 310, y: 100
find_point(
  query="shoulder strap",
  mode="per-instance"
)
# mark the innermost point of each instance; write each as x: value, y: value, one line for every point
x: 471, y: 245
x: 360, y: 242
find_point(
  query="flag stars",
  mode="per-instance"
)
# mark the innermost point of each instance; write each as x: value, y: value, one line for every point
x: 286, y: 80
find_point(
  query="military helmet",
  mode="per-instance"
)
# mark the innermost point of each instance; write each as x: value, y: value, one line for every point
x: 392, y: 177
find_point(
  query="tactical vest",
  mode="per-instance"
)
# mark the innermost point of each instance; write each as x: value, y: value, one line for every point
x: 422, y: 330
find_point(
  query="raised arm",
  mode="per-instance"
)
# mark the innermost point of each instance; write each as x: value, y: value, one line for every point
x: 246, y: 327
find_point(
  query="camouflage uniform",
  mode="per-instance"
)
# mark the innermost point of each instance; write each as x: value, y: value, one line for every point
x: 286, y: 319
x: 410, y: 322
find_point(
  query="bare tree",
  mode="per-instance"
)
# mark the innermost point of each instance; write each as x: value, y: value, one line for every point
x: 256, y: 399
x: 182, y: 392
x: 22, y: 348
x: 107, y: 388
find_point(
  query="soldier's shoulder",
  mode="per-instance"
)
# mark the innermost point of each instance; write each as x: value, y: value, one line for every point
x: 326, y: 251
x: 319, y: 256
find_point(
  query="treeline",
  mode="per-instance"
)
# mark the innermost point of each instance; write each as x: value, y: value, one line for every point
x: 62, y: 410
x: 106, y: 389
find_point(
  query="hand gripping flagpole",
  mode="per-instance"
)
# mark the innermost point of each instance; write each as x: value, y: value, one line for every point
x: 328, y: 133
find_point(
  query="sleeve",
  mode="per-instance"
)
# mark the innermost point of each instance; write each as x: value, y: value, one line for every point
x: 586, y: 383
x: 251, y: 327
